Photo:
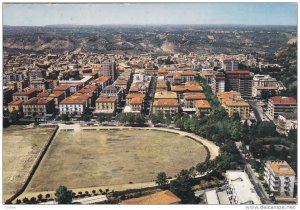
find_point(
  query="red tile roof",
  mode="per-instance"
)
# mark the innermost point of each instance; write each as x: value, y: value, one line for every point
x: 283, y: 100
x: 18, y: 102
x: 136, y: 101
x: 238, y: 72
x: 38, y: 101
x: 166, y: 103
x: 164, y: 197
x: 106, y: 100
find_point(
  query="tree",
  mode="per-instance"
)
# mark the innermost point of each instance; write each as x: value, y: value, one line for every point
x: 63, y: 195
x: 25, y: 200
x: 161, y: 180
x: 18, y: 201
x: 47, y: 196
x: 40, y: 197
x: 33, y: 200
x: 65, y: 117
x: 94, y: 192
x: 182, y: 187
x: 85, y: 118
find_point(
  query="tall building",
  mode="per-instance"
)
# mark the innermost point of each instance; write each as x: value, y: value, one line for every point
x: 280, y: 178
x: 279, y: 104
x: 218, y: 82
x: 230, y: 65
x: 239, y: 81
x: 239, y: 188
x: 108, y: 69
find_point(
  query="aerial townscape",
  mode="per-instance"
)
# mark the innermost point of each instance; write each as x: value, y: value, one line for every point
x: 181, y: 114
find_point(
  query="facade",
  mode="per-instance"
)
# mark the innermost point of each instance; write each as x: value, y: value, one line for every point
x: 218, y: 82
x: 39, y: 107
x: 239, y: 188
x: 188, y: 87
x: 107, y: 105
x: 37, y: 74
x: 108, y: 69
x: 207, y: 74
x: 112, y: 91
x: 286, y: 122
x: 230, y: 65
x: 76, y: 106
x: 265, y: 83
x: 202, y: 107
x: 233, y: 102
x: 58, y: 97
x: 165, y: 106
x: 39, y: 83
x: 239, y: 81
x: 14, y: 76
x: 280, y: 178
x: 15, y: 106
x: 26, y: 95
x: 278, y: 105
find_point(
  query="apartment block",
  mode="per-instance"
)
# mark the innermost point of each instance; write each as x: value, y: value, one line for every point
x: 279, y: 104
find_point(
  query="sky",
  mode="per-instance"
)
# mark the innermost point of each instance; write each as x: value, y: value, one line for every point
x: 150, y: 13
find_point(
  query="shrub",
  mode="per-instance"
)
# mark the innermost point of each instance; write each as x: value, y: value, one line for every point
x: 25, y: 200
x: 94, y: 192
x: 18, y: 201
x: 40, y: 197
x: 47, y: 196
x: 33, y: 200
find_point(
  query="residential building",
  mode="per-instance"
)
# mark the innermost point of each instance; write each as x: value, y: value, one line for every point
x: 107, y: 69
x: 265, y: 83
x: 75, y: 105
x: 102, y: 82
x: 218, y: 82
x: 233, y: 102
x: 15, y: 106
x: 165, y: 95
x: 230, y: 65
x: 239, y: 81
x: 286, y: 122
x: 58, y: 97
x: 106, y: 105
x: 188, y: 87
x: 207, y: 74
x: 165, y: 106
x: 36, y: 73
x: 280, y: 178
x: 7, y: 95
x: 135, y: 105
x: 202, y: 107
x: 14, y: 76
x: 240, y: 189
x: 159, y: 198
x: 112, y: 91
x: 39, y: 83
x: 26, y: 95
x: 279, y: 104
x: 38, y: 107
x: 63, y: 88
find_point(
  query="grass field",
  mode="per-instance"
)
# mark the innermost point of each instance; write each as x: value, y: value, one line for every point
x: 80, y: 159
x: 21, y: 147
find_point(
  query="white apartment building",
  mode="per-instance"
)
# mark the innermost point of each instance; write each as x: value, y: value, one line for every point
x: 286, y: 122
x: 278, y: 105
x: 280, y: 177
x: 239, y: 188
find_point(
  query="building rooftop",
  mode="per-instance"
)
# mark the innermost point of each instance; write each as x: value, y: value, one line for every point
x: 243, y: 187
x: 164, y: 197
x: 238, y: 72
x: 202, y: 104
x: 194, y: 96
x: 212, y: 197
x: 188, y: 86
x: 18, y: 102
x: 38, y: 101
x: 135, y: 95
x: 136, y: 101
x: 283, y: 100
x: 106, y: 100
x: 165, y: 94
x: 166, y: 103
x: 280, y: 168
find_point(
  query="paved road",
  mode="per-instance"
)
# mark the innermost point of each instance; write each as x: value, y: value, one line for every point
x: 254, y: 180
x: 258, y: 110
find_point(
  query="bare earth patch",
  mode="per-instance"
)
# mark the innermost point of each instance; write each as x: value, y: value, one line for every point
x: 83, y: 159
x: 21, y: 147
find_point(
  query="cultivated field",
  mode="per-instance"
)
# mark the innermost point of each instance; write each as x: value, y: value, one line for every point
x: 21, y: 147
x: 82, y: 159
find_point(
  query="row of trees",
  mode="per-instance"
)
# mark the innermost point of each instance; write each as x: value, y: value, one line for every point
x: 131, y: 118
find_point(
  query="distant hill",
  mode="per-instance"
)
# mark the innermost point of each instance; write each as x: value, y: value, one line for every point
x: 136, y: 39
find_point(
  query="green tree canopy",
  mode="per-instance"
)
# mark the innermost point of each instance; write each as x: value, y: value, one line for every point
x: 63, y: 195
